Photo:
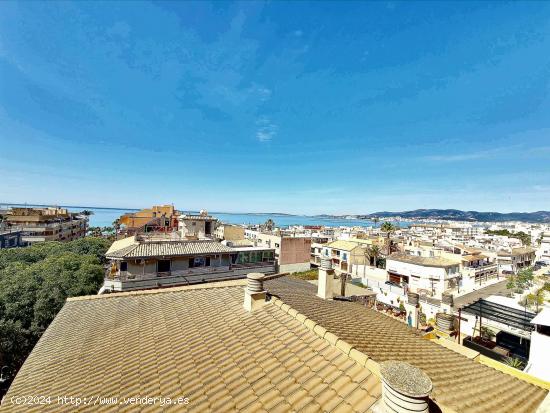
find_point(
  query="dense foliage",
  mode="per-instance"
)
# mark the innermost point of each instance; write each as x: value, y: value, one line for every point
x: 522, y: 236
x: 34, y: 284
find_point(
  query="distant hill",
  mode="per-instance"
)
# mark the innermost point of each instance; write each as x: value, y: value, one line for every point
x: 457, y: 215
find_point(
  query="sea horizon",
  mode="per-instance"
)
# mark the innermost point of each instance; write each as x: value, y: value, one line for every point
x: 104, y: 216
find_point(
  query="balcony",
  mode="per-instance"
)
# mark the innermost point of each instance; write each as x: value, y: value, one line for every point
x: 237, y: 268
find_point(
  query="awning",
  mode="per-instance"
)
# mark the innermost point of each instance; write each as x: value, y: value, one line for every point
x: 502, y: 314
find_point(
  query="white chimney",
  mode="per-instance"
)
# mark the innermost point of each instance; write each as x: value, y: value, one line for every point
x: 254, y: 293
x: 326, y: 279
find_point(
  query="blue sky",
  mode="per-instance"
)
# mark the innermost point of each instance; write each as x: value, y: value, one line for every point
x: 290, y: 107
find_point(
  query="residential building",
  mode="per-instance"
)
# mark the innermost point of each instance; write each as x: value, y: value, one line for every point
x: 290, y: 351
x: 515, y: 259
x: 229, y: 232
x: 345, y: 254
x: 150, y: 261
x: 11, y: 238
x: 427, y: 275
x: 197, y: 226
x: 292, y: 253
x: 350, y: 255
x: 158, y: 218
x: 544, y: 249
x: 47, y: 224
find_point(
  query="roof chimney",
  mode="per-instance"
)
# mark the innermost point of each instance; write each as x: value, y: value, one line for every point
x: 326, y: 279
x: 254, y: 293
x: 405, y: 388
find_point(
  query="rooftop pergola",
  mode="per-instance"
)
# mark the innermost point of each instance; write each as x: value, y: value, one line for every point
x: 512, y: 317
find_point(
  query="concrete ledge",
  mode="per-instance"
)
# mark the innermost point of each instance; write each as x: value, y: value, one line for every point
x: 457, y: 348
x: 513, y: 372
x: 164, y: 290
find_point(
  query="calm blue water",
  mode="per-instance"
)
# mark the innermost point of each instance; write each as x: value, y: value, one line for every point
x: 104, y: 217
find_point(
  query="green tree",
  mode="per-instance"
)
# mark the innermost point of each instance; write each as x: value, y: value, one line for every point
x: 521, y: 281
x: 34, y: 284
x: 522, y: 236
x: 269, y: 225
x: 389, y: 229
x: 374, y: 252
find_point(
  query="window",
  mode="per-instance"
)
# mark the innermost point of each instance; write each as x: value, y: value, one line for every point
x: 198, y: 262
x: 276, y: 245
x: 123, y: 266
x: 163, y: 266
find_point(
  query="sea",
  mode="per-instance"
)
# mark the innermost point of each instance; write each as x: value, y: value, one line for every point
x: 104, y: 217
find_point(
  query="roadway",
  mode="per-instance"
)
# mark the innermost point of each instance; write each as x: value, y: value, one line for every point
x: 493, y: 289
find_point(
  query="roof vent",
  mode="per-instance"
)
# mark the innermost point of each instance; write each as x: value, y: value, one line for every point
x: 254, y: 293
x: 405, y: 388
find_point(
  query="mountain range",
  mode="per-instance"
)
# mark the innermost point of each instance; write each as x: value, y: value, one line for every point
x: 457, y: 215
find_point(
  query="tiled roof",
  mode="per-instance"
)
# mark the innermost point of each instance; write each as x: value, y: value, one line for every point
x: 424, y: 261
x: 459, y: 383
x: 169, y: 249
x: 343, y: 245
x: 475, y: 257
x: 197, y: 343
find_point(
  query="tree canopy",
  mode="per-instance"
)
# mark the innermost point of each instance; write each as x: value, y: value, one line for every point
x: 522, y: 236
x: 35, y: 282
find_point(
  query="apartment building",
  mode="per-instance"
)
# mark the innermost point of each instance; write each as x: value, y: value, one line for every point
x: 292, y: 253
x: 544, y: 249
x: 151, y: 261
x: 428, y: 275
x: 515, y: 259
x: 46, y: 224
x: 197, y: 226
x: 158, y: 218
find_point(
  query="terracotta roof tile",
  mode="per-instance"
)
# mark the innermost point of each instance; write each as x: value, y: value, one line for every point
x: 459, y: 383
x: 197, y: 343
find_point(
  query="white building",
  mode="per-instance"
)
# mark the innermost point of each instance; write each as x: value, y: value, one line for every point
x: 539, y: 357
x: 544, y: 250
x: 197, y: 226
x: 425, y: 275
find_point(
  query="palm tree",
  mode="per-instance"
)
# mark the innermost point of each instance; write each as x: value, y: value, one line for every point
x: 87, y: 212
x: 388, y: 228
x: 269, y: 224
x: 374, y: 252
x: 376, y: 220
x: 116, y: 226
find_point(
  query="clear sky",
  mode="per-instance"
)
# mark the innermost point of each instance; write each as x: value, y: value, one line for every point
x: 276, y: 107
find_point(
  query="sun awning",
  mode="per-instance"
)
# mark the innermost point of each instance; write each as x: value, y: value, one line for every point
x: 500, y: 313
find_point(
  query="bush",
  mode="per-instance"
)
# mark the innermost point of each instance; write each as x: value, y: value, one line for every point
x: 312, y: 274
